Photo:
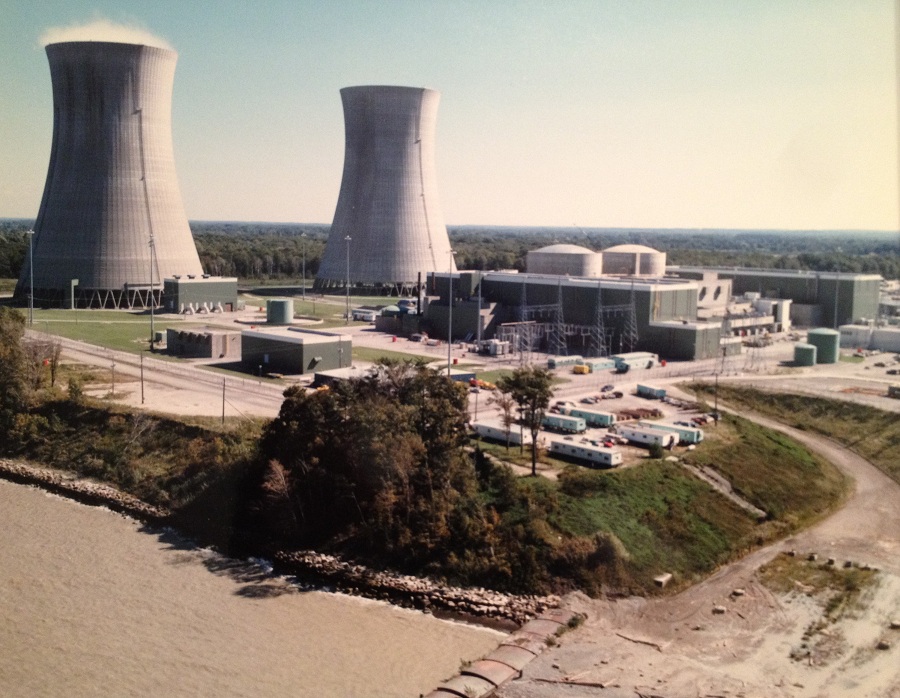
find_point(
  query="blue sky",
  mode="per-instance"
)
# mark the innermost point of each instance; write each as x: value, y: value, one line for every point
x: 719, y: 114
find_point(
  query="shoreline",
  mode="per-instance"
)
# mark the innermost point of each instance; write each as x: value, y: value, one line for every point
x: 492, y: 609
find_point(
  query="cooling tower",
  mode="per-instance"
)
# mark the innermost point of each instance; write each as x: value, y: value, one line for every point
x: 388, y: 204
x: 111, y: 185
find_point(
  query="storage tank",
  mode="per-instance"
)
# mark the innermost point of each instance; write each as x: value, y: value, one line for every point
x: 279, y: 311
x: 805, y: 354
x: 388, y: 228
x: 111, y: 224
x: 827, y: 343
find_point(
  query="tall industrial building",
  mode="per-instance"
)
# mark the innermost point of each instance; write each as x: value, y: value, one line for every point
x: 388, y: 227
x: 111, y: 221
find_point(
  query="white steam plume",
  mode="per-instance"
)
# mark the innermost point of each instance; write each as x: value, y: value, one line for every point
x: 103, y: 30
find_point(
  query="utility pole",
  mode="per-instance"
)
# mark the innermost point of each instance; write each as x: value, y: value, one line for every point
x: 450, y: 314
x: 142, y: 377
x: 347, y: 320
x: 30, y: 234
x: 152, y: 299
x: 303, y: 288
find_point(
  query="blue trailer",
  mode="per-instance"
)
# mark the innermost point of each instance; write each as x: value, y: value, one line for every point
x: 648, y: 391
x: 593, y: 418
x: 562, y: 422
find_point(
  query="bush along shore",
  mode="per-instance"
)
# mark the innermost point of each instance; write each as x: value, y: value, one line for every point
x: 309, y: 567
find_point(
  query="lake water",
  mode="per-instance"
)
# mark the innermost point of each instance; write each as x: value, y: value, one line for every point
x: 92, y: 604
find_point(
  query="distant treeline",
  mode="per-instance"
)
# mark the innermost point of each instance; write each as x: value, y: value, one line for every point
x: 278, y: 250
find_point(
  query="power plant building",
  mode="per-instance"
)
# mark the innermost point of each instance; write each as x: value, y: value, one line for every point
x: 827, y: 299
x: 567, y: 315
x: 111, y: 224
x: 388, y: 229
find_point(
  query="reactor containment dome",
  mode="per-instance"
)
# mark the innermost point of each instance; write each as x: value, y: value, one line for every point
x: 388, y: 229
x: 565, y: 260
x: 634, y: 260
x: 111, y: 224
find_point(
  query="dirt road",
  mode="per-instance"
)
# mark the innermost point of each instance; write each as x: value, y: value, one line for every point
x: 677, y: 647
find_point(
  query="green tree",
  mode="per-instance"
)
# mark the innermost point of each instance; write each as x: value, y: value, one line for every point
x: 530, y: 388
x: 379, y: 463
x: 13, y: 367
x: 505, y: 404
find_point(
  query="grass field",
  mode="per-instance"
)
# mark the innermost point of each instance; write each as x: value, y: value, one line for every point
x: 371, y: 354
x: 667, y: 520
x: 115, y: 329
x: 872, y: 433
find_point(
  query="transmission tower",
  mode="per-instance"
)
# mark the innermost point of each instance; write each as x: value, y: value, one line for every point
x: 630, y: 333
x: 599, y: 346
x: 556, y: 340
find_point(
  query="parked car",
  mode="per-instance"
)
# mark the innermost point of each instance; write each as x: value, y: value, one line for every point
x: 607, y: 388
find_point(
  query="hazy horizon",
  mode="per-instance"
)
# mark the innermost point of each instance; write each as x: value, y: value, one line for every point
x: 758, y: 115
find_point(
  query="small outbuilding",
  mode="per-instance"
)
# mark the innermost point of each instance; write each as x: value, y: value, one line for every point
x: 293, y: 351
x: 205, y: 294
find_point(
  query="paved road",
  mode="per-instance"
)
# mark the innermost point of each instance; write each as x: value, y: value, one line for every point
x: 179, y: 387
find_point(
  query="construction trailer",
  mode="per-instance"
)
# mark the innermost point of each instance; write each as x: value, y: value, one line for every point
x: 596, y: 365
x: 593, y: 418
x: 584, y: 452
x: 686, y: 435
x: 636, y: 359
x: 651, y: 393
x: 560, y: 361
x: 561, y: 422
x: 645, y: 436
x: 496, y: 431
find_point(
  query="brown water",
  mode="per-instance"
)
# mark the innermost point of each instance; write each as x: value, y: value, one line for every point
x: 92, y: 605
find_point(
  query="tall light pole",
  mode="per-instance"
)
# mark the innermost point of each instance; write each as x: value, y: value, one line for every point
x: 152, y: 299
x: 30, y: 234
x: 347, y: 318
x: 450, y: 314
x: 303, y: 235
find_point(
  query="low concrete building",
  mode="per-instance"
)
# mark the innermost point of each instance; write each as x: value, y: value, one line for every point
x: 203, y: 343
x: 879, y: 338
x: 294, y: 351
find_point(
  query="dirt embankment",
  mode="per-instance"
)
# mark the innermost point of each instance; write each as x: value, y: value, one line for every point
x: 732, y: 636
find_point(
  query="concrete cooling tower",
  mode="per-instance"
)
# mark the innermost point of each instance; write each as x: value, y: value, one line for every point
x: 388, y: 203
x: 111, y: 185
